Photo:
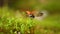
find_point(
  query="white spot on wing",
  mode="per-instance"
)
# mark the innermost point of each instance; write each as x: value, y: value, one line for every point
x: 45, y: 13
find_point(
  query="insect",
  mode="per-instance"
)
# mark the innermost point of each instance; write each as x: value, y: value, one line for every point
x: 39, y: 15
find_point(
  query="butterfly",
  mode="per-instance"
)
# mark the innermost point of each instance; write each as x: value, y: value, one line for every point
x: 39, y: 15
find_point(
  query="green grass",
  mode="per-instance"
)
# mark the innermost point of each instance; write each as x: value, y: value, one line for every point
x: 8, y: 22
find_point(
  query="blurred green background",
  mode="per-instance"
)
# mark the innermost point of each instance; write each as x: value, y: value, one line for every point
x: 8, y: 21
